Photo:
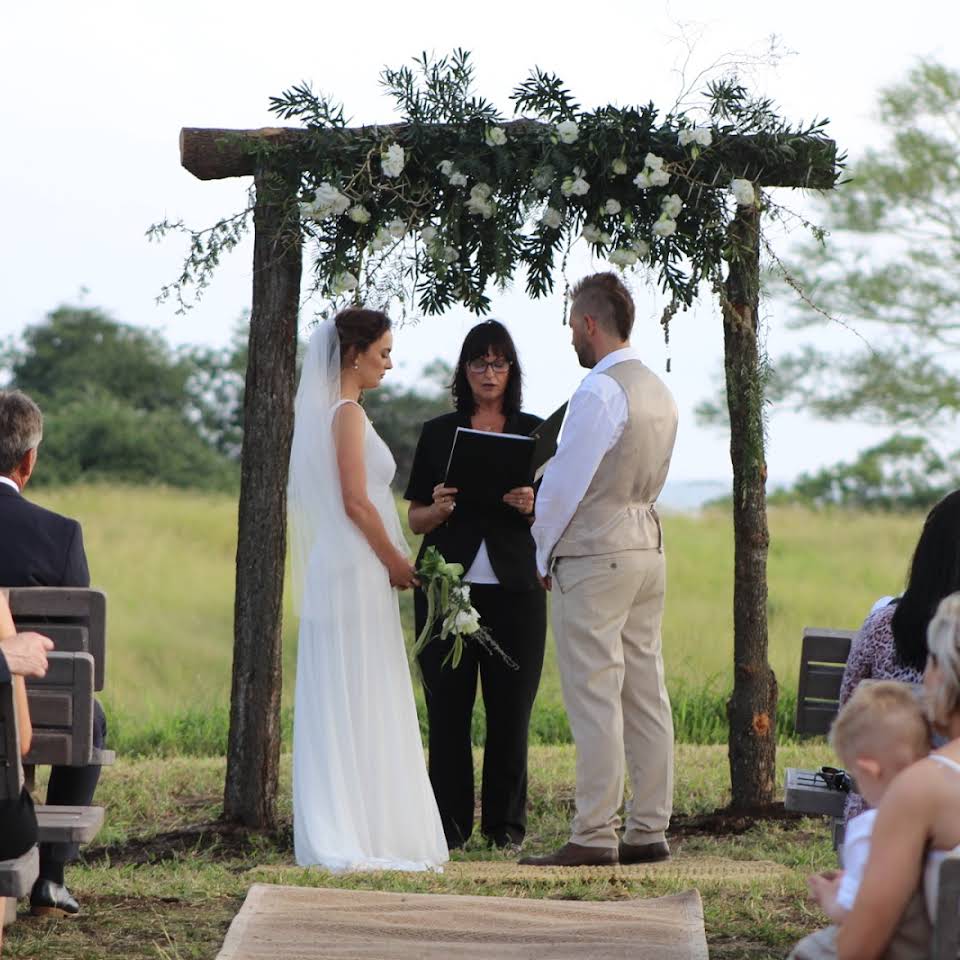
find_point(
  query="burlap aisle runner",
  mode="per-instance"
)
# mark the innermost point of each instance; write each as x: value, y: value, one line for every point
x: 302, y: 923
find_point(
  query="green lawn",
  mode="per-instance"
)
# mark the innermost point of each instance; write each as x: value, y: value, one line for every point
x: 165, y: 558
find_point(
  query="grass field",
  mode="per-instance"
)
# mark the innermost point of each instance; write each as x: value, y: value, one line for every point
x: 164, y: 880
x: 165, y: 558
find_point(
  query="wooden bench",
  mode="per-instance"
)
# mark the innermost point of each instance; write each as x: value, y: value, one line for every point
x: 61, y: 703
x: 823, y: 657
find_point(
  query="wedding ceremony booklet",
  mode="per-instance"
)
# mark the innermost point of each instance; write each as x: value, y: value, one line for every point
x: 484, y: 465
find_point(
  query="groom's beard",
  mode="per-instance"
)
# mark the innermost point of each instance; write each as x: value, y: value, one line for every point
x: 585, y: 355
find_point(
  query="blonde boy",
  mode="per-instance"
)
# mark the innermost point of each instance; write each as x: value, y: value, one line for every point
x: 880, y: 730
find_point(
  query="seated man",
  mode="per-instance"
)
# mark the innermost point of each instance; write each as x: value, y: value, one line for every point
x: 40, y: 548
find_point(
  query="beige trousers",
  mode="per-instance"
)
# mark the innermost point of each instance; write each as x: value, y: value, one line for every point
x: 606, y: 621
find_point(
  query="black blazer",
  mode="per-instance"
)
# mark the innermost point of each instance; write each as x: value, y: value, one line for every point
x: 39, y: 548
x: 513, y: 554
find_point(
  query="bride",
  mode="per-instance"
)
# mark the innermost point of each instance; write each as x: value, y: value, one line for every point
x: 361, y: 796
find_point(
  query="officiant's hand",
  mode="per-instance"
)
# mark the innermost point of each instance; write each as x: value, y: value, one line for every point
x: 444, y: 501
x: 521, y: 499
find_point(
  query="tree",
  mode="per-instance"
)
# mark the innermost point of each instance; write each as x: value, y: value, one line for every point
x: 897, y: 226
x: 902, y: 473
x: 118, y: 403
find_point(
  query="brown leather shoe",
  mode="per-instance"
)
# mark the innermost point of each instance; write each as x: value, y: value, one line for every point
x: 574, y: 855
x: 644, y: 852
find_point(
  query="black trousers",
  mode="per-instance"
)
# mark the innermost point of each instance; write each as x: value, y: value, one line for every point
x: 72, y: 787
x: 518, y: 623
x: 18, y: 827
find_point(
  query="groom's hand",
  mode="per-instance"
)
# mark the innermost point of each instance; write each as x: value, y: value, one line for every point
x: 546, y: 582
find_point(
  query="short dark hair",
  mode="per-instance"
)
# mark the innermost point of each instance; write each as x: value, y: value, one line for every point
x: 358, y: 328
x: 493, y: 337
x: 934, y: 574
x: 21, y: 428
x: 607, y: 300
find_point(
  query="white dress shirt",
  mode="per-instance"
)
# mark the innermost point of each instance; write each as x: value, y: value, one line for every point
x: 9, y: 483
x: 596, y: 416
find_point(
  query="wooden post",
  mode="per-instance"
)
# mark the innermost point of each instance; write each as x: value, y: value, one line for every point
x: 253, y: 752
x: 752, y: 709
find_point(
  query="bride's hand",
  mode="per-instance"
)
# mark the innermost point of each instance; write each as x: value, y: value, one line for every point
x: 403, y: 574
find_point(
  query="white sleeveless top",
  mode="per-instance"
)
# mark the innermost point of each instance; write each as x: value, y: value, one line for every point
x: 931, y: 871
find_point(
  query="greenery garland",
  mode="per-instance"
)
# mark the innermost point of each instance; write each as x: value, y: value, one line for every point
x: 431, y: 210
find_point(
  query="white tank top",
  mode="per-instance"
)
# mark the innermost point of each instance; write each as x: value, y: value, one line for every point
x: 931, y: 871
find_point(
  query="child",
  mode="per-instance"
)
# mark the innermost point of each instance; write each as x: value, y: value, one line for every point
x: 881, y: 730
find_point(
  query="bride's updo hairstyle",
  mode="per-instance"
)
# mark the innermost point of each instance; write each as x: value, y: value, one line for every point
x: 943, y: 643
x: 357, y: 329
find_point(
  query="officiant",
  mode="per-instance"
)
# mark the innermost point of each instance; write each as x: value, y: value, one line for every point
x: 491, y: 537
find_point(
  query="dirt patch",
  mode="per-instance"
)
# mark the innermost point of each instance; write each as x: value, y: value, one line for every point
x: 725, y: 822
x: 215, y: 839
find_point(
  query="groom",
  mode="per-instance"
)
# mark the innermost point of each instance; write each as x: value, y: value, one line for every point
x: 600, y: 552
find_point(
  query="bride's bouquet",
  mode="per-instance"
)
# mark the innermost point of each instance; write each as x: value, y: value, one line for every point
x: 448, y: 602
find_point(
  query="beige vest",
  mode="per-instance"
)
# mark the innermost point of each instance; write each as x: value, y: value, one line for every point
x: 617, y: 512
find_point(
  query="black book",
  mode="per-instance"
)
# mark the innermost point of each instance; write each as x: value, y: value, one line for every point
x: 484, y: 466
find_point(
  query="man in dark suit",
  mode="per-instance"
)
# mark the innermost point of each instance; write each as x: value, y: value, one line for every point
x: 39, y: 548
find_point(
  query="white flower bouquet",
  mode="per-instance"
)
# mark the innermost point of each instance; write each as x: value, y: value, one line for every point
x: 448, y: 603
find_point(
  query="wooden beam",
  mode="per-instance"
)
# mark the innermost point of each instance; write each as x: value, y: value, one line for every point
x: 810, y: 162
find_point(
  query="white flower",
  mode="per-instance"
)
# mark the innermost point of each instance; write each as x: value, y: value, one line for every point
x: 462, y: 592
x: 642, y: 180
x: 612, y: 206
x: 653, y: 162
x: 619, y: 166
x: 568, y: 131
x: 479, y: 203
x: 665, y: 228
x: 359, y: 213
x: 450, y: 254
x: 659, y: 178
x: 344, y: 283
x: 552, y: 218
x: 641, y: 248
x: 392, y: 160
x: 428, y: 234
x: 578, y: 187
x: 327, y: 201
x: 623, y: 257
x: 458, y: 179
x: 744, y: 193
x: 445, y: 167
x: 496, y: 137
x: 591, y: 233
x: 467, y: 622
x: 701, y: 136
x: 396, y: 229
x: 381, y: 240
x: 671, y: 206
x: 543, y: 177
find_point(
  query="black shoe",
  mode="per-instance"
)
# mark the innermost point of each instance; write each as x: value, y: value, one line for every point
x: 644, y: 852
x: 49, y: 899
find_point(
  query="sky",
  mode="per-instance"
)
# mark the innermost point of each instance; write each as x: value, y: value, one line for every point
x: 94, y: 96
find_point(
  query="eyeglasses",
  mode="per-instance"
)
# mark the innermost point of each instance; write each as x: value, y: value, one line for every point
x: 497, y: 366
x: 836, y: 779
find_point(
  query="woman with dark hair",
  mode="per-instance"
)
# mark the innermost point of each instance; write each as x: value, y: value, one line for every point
x: 494, y: 544
x: 892, y: 643
x: 361, y: 796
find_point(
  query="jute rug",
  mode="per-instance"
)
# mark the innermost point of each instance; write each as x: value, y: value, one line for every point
x: 301, y: 923
x: 690, y: 870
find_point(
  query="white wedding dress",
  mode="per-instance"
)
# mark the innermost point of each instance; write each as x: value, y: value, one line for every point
x: 362, y: 799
